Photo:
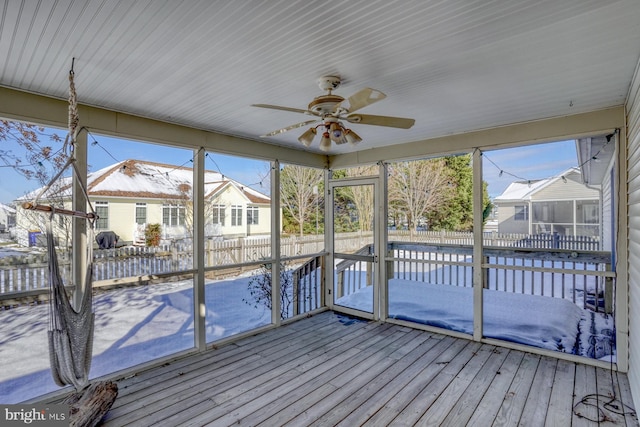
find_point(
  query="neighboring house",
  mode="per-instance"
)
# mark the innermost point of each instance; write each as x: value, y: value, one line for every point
x: 131, y: 194
x: 561, y: 204
x: 7, y: 218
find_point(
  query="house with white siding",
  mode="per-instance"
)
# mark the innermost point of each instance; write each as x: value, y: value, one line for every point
x: 130, y: 194
x: 561, y: 204
x: 7, y: 217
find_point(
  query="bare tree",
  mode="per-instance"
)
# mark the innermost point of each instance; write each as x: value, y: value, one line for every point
x: 37, y: 155
x: 418, y: 186
x: 296, y: 192
x: 362, y: 196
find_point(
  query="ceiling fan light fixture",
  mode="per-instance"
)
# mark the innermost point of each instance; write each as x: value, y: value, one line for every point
x: 335, y: 132
x: 307, y: 137
x: 325, y: 142
x: 352, y: 137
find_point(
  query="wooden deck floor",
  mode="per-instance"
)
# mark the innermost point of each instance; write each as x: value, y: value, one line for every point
x: 333, y: 370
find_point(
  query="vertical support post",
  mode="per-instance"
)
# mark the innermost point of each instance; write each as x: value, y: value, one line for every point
x: 382, y: 243
x: 79, y: 225
x: 608, y: 292
x: 328, y: 242
x: 199, y: 306
x: 478, y: 276
x: 276, y: 221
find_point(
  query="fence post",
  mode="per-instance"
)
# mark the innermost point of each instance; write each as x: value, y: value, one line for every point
x: 390, y: 264
x: 174, y: 258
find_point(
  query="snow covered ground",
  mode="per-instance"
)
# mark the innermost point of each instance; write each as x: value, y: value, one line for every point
x: 551, y: 323
x: 133, y: 325
x: 139, y: 324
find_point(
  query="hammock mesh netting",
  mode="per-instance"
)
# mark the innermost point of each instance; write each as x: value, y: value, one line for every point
x: 70, y: 330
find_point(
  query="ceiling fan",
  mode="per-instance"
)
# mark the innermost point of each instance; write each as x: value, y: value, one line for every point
x: 331, y: 110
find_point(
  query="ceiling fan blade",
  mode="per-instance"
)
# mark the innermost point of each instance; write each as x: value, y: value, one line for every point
x: 288, y: 128
x: 360, y: 99
x: 277, y: 107
x: 368, y: 119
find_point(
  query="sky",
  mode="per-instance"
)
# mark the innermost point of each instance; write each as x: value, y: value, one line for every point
x: 524, y: 163
x: 104, y: 151
x: 527, y: 163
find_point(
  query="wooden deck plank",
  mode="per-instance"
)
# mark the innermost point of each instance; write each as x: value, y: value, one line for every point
x: 534, y: 411
x: 364, y: 364
x: 516, y: 398
x: 559, y: 412
x: 630, y: 414
x: 346, y: 385
x: 247, y: 376
x: 425, y: 398
x: 185, y: 386
x: 585, y: 384
x: 469, y: 403
x: 276, y: 409
x: 401, y: 387
x: 607, y: 394
x: 242, y: 406
x: 399, y: 401
x: 324, y: 371
x: 366, y: 393
x: 489, y: 405
x: 451, y: 395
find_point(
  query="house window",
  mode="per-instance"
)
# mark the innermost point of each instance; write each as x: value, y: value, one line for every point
x: 521, y: 213
x: 173, y: 215
x: 252, y: 215
x: 141, y: 213
x: 236, y: 215
x: 587, y: 211
x: 102, y: 210
x: 218, y: 214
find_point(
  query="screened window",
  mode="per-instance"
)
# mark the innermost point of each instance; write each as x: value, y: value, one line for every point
x: 236, y: 215
x: 521, y: 213
x: 141, y: 213
x: 218, y: 214
x: 102, y: 210
x: 588, y: 211
x: 173, y: 215
x: 252, y: 215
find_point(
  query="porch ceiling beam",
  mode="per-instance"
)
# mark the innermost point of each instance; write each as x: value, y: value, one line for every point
x: 539, y: 131
x: 51, y: 112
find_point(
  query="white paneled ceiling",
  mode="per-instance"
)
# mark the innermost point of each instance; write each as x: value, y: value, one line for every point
x: 454, y: 66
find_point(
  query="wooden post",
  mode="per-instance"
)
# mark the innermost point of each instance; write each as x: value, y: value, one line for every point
x: 608, y: 292
x: 340, y: 287
x: 79, y: 225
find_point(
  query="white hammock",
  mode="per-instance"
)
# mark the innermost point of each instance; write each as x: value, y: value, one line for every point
x: 70, y: 331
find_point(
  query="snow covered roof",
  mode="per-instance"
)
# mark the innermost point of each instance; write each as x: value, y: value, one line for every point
x: 150, y: 180
x: 7, y: 208
x: 524, y: 190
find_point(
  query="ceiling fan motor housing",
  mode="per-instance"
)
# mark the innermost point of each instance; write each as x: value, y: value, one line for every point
x: 324, y: 104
